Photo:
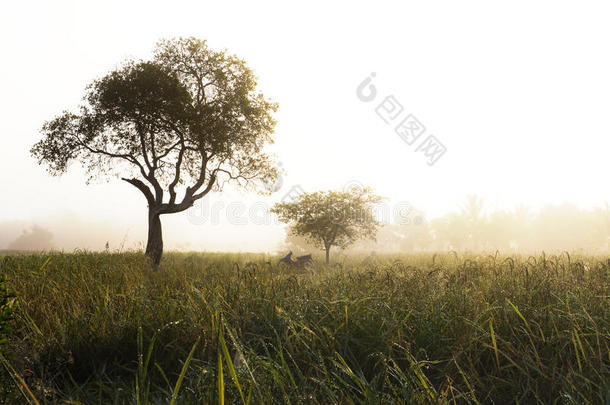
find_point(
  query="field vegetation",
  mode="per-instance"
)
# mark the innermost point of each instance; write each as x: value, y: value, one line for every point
x: 102, y: 328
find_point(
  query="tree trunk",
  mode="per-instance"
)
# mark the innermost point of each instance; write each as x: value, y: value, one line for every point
x: 154, y: 246
x: 327, y: 254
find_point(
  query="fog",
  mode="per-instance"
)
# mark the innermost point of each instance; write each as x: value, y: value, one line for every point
x: 473, y: 227
x: 518, y: 96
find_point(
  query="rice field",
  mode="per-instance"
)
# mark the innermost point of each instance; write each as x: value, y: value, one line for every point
x: 206, y: 328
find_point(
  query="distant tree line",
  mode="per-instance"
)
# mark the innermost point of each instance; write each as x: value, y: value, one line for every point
x: 474, y: 227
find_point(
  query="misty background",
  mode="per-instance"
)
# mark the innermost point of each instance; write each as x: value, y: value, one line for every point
x: 471, y: 227
x: 517, y: 93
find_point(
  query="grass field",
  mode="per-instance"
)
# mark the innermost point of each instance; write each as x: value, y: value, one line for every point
x: 98, y: 328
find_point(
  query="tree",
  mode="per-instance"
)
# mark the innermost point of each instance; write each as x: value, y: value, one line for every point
x: 37, y: 238
x: 472, y: 212
x: 331, y: 218
x: 183, y: 123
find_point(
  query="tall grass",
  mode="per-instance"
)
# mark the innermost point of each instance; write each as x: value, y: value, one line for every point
x: 234, y: 328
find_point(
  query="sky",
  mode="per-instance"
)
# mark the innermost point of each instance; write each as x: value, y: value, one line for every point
x: 518, y: 94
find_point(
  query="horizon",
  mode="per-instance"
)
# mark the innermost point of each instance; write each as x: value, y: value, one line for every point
x: 520, y: 111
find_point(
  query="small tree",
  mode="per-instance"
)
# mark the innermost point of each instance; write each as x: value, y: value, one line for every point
x: 184, y: 123
x: 331, y: 218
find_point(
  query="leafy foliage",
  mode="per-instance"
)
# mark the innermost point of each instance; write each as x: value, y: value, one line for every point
x: 189, y: 114
x: 190, y: 118
x: 331, y: 218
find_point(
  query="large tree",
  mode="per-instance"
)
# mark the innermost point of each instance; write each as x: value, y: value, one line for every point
x: 331, y: 218
x: 175, y: 127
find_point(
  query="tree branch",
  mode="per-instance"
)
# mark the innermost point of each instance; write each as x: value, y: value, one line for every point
x: 142, y: 187
x: 172, y: 186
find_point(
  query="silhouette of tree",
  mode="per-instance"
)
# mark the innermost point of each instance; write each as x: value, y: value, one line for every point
x: 185, y: 122
x: 474, y: 217
x: 37, y: 238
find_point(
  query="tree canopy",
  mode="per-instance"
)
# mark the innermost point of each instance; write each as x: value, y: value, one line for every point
x: 331, y: 218
x: 175, y: 127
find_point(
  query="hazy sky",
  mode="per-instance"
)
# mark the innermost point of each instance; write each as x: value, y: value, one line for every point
x: 518, y: 92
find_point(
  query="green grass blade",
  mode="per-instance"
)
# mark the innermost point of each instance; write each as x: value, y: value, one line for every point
x: 227, y: 357
x: 183, y: 373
